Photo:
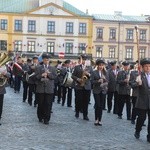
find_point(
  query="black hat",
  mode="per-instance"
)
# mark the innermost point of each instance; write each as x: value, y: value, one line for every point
x: 35, y: 57
x: 125, y: 63
x: 145, y: 61
x: 29, y: 60
x: 59, y: 62
x: 113, y: 63
x: 67, y: 61
x: 83, y: 56
x: 47, y: 56
x: 100, y: 61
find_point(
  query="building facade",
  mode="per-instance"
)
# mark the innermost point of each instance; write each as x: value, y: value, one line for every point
x: 115, y: 37
x: 52, y: 26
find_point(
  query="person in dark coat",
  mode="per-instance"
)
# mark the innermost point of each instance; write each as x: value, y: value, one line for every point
x: 100, y: 82
x: 2, y: 93
x: 65, y: 89
x: 45, y: 76
x: 82, y: 84
x: 124, y: 91
x: 143, y: 99
x: 112, y: 88
x: 32, y: 80
x: 17, y: 72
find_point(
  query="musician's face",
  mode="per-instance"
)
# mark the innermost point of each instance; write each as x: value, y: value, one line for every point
x: 126, y: 67
x: 46, y: 61
x: 35, y: 61
x: 114, y: 67
x: 146, y: 68
x: 101, y: 66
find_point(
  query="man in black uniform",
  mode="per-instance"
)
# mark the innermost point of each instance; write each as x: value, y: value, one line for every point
x: 112, y: 88
x: 45, y: 76
x: 124, y: 91
x: 31, y: 81
x: 143, y: 98
x: 81, y: 76
x: 65, y: 89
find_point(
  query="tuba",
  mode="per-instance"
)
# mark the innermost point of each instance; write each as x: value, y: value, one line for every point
x: 4, y: 58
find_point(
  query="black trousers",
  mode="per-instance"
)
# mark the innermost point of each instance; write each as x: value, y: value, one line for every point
x: 67, y: 91
x: 31, y: 92
x: 17, y: 83
x: 134, y: 112
x: 140, y: 120
x: 122, y: 100
x: 59, y: 93
x: 25, y: 90
x: 1, y: 104
x: 44, y: 106
x: 110, y: 96
x: 99, y: 101
x: 82, y: 101
x: 104, y: 101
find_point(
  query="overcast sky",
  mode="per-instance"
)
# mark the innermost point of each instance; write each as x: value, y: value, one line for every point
x: 128, y: 7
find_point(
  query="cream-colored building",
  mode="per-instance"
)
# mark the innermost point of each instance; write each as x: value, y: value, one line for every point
x: 35, y: 26
x: 115, y: 37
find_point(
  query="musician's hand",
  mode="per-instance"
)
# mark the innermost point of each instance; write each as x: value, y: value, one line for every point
x: 87, y: 73
x: 140, y: 82
x: 4, y: 73
x: 126, y: 80
x: 100, y: 80
x: 44, y: 75
x: 79, y: 80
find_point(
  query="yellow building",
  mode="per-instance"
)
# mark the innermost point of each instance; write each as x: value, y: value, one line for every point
x: 115, y: 38
x: 35, y: 26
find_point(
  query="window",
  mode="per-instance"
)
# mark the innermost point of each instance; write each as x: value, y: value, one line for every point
x: 129, y: 53
x: 51, y: 26
x: 99, y: 52
x: 143, y: 35
x: 69, y: 27
x: 69, y: 48
x: 31, y: 46
x: 111, y: 52
x: 18, y: 45
x: 3, y: 45
x: 82, y: 28
x: 112, y: 35
x: 99, y: 33
x: 18, y: 25
x: 82, y: 48
x: 142, y: 53
x: 31, y: 26
x: 50, y: 47
x: 129, y: 34
x: 3, y: 24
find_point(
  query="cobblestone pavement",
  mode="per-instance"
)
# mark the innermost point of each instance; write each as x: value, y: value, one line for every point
x: 20, y: 129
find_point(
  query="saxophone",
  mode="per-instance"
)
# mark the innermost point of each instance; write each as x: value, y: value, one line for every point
x: 84, y: 76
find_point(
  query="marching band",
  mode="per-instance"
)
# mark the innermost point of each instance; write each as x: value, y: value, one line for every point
x: 117, y: 85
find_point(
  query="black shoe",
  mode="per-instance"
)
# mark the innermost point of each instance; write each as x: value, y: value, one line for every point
x: 58, y: 102
x: 137, y: 135
x: 46, y: 122
x: 24, y: 101
x: 148, y: 138
x: 96, y: 124
x: 119, y: 117
x: 51, y: 111
x: 108, y: 111
x: 40, y: 120
x: 144, y: 125
x: 99, y: 124
x: 132, y: 121
x: 62, y: 104
x: 14, y: 91
x: 34, y: 105
x: 86, y: 118
x: 30, y: 104
x: 69, y: 106
x: 104, y: 109
x: 77, y: 115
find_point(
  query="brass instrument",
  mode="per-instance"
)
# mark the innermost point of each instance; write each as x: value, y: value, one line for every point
x: 68, y: 80
x: 84, y: 77
x: 4, y: 58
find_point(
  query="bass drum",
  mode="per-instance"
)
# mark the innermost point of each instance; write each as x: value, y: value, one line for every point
x: 68, y: 80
